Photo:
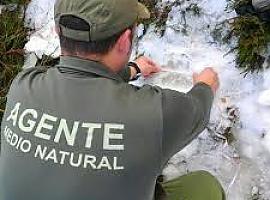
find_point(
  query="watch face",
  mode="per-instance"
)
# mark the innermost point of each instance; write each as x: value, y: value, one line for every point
x: 138, y: 76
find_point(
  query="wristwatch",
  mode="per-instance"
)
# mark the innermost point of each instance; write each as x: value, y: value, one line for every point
x: 138, y: 70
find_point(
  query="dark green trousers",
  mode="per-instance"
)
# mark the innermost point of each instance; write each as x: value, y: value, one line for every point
x: 199, y: 185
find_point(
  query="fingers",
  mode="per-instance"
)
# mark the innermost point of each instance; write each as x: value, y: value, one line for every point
x: 147, y: 66
x: 151, y: 62
x: 156, y: 67
x: 195, y: 75
x: 208, y: 76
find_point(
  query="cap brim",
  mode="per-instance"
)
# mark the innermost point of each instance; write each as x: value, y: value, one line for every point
x: 143, y: 12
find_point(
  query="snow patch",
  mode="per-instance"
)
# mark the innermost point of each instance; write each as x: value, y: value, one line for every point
x: 264, y: 98
x: 44, y: 40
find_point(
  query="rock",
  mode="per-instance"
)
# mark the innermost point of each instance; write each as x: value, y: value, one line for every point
x: 261, y: 5
x: 11, y: 7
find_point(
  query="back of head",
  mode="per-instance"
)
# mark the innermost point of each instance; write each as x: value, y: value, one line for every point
x: 94, y: 26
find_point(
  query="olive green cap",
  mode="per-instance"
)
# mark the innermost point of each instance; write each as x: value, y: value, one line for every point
x: 105, y: 17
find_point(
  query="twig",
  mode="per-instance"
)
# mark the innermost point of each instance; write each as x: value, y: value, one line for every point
x: 2, y: 63
x: 234, y: 179
x: 15, y: 51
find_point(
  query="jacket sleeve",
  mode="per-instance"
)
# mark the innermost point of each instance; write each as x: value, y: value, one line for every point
x: 184, y: 117
x: 125, y: 74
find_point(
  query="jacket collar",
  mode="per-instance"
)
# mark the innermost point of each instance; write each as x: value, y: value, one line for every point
x: 87, y: 66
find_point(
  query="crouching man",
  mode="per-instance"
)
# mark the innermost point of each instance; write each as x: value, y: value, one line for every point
x: 80, y: 131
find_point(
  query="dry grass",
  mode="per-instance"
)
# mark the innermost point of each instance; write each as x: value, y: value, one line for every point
x: 13, y: 36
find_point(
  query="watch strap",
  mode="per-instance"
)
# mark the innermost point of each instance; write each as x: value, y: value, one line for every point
x: 136, y: 66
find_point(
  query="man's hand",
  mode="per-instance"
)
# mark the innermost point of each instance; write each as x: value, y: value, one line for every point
x: 147, y: 66
x: 209, y: 77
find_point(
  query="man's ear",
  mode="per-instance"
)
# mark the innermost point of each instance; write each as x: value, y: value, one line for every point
x: 57, y: 29
x: 124, y: 43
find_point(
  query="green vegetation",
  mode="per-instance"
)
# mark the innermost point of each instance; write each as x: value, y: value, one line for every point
x: 159, y: 15
x: 195, y: 9
x: 17, y: 2
x: 47, y: 61
x: 13, y: 36
x: 252, y: 35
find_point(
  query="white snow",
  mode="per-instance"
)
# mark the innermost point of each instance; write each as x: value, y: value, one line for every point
x: 264, y: 98
x: 47, y: 40
x: 44, y: 41
x: 242, y: 167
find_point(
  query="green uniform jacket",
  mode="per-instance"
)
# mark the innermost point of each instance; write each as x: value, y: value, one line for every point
x: 79, y: 132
